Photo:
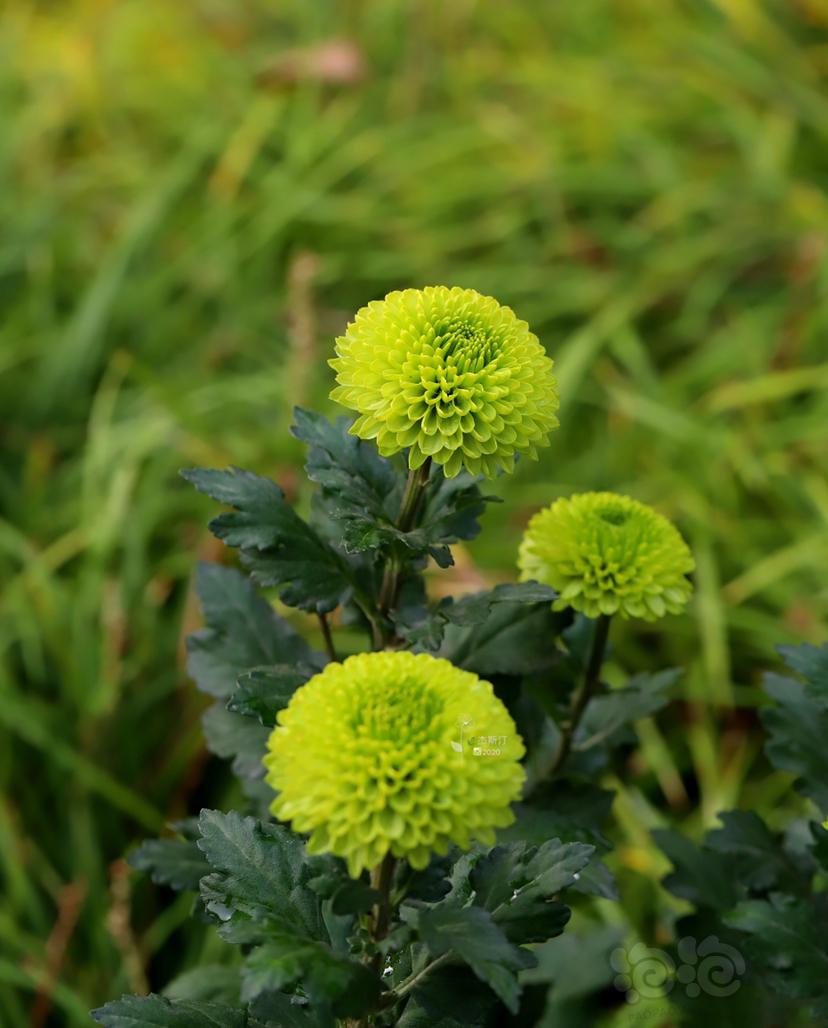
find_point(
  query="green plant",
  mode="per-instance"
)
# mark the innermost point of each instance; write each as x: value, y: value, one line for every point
x: 649, y: 200
x: 396, y: 761
x: 762, y: 888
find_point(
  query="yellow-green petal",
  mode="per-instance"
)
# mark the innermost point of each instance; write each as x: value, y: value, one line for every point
x: 431, y: 369
x: 608, y: 554
x: 380, y: 754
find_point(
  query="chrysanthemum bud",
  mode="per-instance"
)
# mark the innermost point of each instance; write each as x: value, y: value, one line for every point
x: 394, y: 752
x: 608, y: 554
x: 448, y: 374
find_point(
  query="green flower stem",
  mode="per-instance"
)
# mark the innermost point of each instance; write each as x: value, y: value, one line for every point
x: 409, y: 513
x: 330, y: 649
x: 412, y: 499
x: 583, y: 694
x: 382, y: 878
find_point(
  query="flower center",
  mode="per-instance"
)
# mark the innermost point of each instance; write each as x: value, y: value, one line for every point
x: 396, y: 712
x: 613, y: 516
x: 464, y: 345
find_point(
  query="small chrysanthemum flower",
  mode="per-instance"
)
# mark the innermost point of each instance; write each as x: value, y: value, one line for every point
x: 608, y: 554
x: 394, y: 752
x: 448, y: 374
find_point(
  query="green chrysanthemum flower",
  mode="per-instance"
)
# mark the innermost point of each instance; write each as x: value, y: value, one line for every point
x: 608, y: 554
x: 449, y: 374
x: 394, y: 752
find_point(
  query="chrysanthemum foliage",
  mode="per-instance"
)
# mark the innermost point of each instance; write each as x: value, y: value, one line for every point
x: 421, y: 781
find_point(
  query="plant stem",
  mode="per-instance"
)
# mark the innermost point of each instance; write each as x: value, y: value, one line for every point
x: 583, y: 694
x: 324, y: 624
x: 410, y: 983
x: 409, y: 512
x: 382, y: 878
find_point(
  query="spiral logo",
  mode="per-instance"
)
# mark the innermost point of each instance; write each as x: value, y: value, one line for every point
x: 642, y: 972
x: 711, y: 966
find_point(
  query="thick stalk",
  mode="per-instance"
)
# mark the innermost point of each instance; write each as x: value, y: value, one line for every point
x: 583, y: 694
x: 409, y: 513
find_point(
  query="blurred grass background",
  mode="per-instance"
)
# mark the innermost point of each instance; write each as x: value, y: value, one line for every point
x: 195, y: 197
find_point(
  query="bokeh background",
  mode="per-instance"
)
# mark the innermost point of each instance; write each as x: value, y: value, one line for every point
x: 194, y: 198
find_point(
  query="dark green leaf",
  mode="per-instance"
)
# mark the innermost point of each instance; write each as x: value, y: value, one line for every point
x: 516, y: 638
x: 471, y: 611
x: 355, y: 481
x: 788, y: 936
x: 812, y: 663
x: 472, y: 935
x: 362, y: 491
x: 760, y: 863
x: 519, y: 886
x: 701, y: 876
x: 429, y: 885
x: 596, y: 879
x: 450, y: 513
x: 475, y: 609
x: 158, y: 1012
x: 261, y: 870
x: 347, y: 985
x: 213, y: 982
x: 569, y: 810
x: 174, y: 862
x: 242, y: 631
x: 796, y: 725
x: 354, y: 897
x: 450, y: 997
x: 819, y: 846
x: 278, y: 547
x: 235, y: 737
x: 264, y: 691
x: 280, y: 1011
x: 576, y: 967
x: 607, y: 713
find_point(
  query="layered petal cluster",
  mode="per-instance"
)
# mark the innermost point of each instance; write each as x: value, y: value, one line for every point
x: 608, y: 554
x: 394, y: 752
x: 448, y: 374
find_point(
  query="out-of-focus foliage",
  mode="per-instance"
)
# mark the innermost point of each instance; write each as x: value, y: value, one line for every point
x: 194, y: 199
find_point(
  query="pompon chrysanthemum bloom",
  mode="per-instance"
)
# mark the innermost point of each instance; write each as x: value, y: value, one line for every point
x: 448, y: 374
x: 608, y: 554
x: 394, y: 752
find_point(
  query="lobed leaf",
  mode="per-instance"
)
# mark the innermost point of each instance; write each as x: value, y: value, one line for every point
x: 259, y: 869
x: 262, y: 692
x: 701, y: 876
x: 242, y: 632
x: 788, y: 936
x: 327, y: 978
x: 795, y: 723
x: 471, y: 933
x: 278, y: 547
x: 608, y: 713
x: 178, y: 863
x: 158, y: 1012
